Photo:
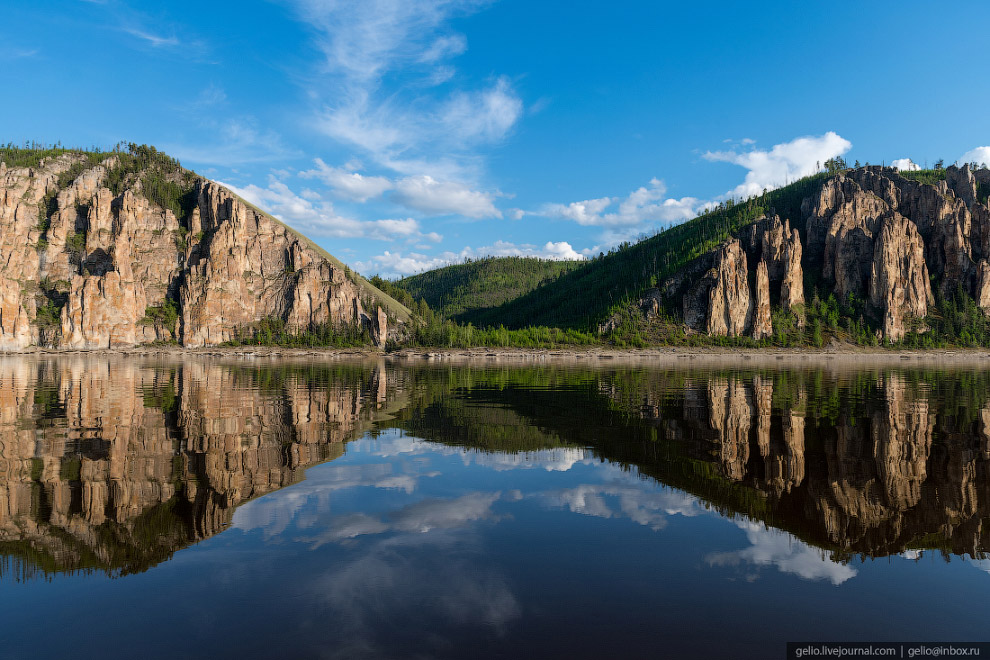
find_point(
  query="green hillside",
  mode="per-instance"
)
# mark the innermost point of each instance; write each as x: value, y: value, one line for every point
x: 464, y: 291
x: 584, y: 296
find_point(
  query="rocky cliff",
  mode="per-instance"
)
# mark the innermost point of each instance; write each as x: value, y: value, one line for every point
x: 119, y: 249
x: 870, y: 236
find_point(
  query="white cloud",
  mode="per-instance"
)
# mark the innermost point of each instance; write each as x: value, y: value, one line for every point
x: 212, y: 95
x: 426, y: 194
x: 979, y: 155
x: 238, y: 141
x: 587, y: 212
x: 402, y: 121
x: 446, y: 46
x: 771, y: 547
x: 17, y: 53
x: 483, y: 116
x: 156, y: 40
x: 348, y: 185
x: 642, y: 206
x: 785, y: 162
x: 314, y: 216
x: 905, y: 165
x: 397, y: 263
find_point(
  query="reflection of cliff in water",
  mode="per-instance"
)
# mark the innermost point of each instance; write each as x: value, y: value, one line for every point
x: 872, y: 462
x: 114, y: 465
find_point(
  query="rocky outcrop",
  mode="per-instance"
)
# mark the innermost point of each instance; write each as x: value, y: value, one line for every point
x: 102, y: 312
x: 15, y: 323
x: 983, y: 285
x: 101, y: 263
x: 762, y: 326
x: 720, y: 303
x: 774, y: 242
x: 899, y: 283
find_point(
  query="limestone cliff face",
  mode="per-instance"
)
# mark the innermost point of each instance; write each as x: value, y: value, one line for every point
x: 872, y: 237
x: 762, y: 326
x: 720, y: 302
x: 80, y: 267
x: 773, y: 242
x: 899, y: 283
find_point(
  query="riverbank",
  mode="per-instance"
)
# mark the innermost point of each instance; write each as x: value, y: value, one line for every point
x: 588, y: 355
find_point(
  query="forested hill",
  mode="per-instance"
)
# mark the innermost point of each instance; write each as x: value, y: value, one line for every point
x: 864, y: 255
x: 464, y: 292
x: 586, y: 295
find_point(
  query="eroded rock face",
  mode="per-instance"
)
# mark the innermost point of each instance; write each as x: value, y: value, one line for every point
x: 102, y: 312
x: 762, y: 326
x: 983, y: 285
x: 105, y: 260
x: 774, y: 242
x: 720, y: 303
x: 899, y: 283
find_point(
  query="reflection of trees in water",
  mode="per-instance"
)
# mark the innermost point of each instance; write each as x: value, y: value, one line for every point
x: 114, y: 465
x: 872, y: 462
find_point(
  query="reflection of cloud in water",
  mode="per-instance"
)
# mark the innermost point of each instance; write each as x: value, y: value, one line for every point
x: 274, y: 513
x: 412, y: 582
x: 641, y: 505
x: 443, y: 514
x: 771, y: 547
x: 982, y: 564
x: 556, y: 459
x: 418, y: 518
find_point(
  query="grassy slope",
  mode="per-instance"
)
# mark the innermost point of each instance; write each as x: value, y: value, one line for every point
x: 583, y: 297
x: 462, y: 291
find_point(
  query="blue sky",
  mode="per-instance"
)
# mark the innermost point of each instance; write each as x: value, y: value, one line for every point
x: 405, y: 134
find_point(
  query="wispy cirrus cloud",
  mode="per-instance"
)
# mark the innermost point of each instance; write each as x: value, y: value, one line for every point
x: 235, y: 141
x: 383, y: 64
x: 155, y: 40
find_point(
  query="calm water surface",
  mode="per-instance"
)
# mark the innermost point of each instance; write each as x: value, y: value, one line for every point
x: 210, y: 509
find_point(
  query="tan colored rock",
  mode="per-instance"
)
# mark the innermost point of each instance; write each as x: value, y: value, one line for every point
x: 379, y: 328
x: 762, y: 326
x: 116, y: 256
x: 250, y: 267
x: 16, y: 331
x: 720, y: 303
x: 843, y: 220
x: 899, y: 284
x: 983, y: 286
x: 774, y: 242
x: 103, y: 312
